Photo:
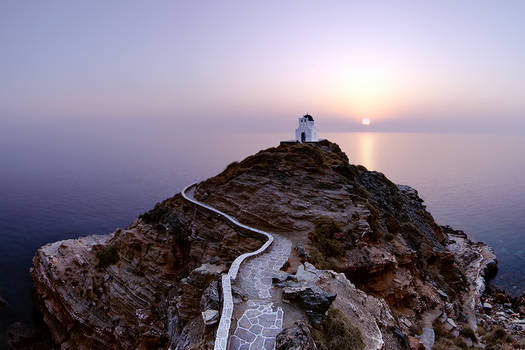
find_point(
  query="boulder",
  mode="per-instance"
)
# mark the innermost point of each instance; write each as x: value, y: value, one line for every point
x: 311, y: 298
x: 210, y: 316
x: 415, y: 344
x: 280, y: 277
x: 487, y: 306
x: 301, y: 252
x: 211, y: 297
x: 296, y: 337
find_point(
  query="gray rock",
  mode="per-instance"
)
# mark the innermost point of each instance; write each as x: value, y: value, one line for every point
x: 281, y: 276
x: 311, y: 298
x: 211, y: 297
x: 210, y: 316
x: 307, y: 273
x: 297, y: 337
x: 301, y: 252
x: 428, y: 338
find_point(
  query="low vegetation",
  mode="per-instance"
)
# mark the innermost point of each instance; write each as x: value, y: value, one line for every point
x: 155, y: 215
x: 467, y: 332
x: 323, y: 238
x: 107, y: 255
x: 494, y: 339
x: 319, y: 260
x: 337, y: 333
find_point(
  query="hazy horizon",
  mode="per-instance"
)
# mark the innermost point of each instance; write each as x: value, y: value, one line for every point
x: 408, y: 66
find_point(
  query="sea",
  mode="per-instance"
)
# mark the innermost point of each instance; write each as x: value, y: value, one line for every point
x: 66, y: 180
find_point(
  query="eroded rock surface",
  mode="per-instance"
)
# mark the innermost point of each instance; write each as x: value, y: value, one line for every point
x: 154, y: 284
x: 296, y: 337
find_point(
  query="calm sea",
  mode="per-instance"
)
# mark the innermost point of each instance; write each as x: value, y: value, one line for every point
x: 59, y: 182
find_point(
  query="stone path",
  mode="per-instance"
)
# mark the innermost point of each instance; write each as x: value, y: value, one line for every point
x: 261, y: 321
x: 258, y: 327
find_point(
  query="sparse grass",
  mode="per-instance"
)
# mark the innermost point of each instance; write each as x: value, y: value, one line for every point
x: 337, y: 333
x: 107, y: 255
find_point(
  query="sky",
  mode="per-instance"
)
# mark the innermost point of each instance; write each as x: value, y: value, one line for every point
x: 405, y: 65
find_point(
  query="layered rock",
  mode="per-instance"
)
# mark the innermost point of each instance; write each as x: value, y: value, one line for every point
x: 154, y: 285
x: 149, y: 292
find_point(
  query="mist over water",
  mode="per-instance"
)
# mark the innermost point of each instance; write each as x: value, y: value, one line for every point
x: 61, y: 182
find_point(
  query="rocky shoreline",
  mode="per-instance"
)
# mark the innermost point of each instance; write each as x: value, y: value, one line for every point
x: 367, y: 257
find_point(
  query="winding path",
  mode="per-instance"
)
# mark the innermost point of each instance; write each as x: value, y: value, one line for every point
x: 261, y: 321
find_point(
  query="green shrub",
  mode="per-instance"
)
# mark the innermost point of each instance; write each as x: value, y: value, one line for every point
x: 460, y: 343
x: 443, y: 344
x: 410, y: 228
x: 375, y: 227
x: 440, y: 330
x: 467, y: 332
x: 107, y: 255
x: 412, y: 234
x: 496, y: 337
x: 155, y: 215
x: 337, y: 333
x: 393, y: 225
x: 361, y: 192
x: 231, y: 165
x: 318, y: 259
x: 323, y: 236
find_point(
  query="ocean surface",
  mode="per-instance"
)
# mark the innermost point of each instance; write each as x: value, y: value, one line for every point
x: 60, y: 182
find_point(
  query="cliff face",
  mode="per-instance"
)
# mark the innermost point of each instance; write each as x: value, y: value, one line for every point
x: 137, y: 287
x: 145, y: 286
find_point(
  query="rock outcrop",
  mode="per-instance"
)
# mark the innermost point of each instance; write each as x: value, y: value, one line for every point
x: 362, y: 244
x: 296, y: 337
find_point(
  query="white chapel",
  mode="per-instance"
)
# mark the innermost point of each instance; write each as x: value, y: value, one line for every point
x: 306, y: 131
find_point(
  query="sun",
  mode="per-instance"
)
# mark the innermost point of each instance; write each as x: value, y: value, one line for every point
x: 365, y: 121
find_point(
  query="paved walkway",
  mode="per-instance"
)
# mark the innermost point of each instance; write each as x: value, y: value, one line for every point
x: 261, y: 321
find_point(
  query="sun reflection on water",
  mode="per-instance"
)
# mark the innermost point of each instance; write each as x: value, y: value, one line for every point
x: 366, y: 143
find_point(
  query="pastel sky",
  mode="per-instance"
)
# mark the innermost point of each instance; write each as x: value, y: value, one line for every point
x: 406, y: 65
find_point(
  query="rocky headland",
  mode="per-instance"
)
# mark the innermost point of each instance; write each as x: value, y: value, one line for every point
x: 357, y: 262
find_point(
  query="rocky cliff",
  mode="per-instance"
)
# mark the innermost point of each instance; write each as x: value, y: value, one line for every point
x: 397, y: 278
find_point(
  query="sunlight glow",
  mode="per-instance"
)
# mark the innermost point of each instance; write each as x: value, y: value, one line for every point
x: 365, y: 121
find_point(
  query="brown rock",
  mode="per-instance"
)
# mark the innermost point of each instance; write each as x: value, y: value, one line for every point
x: 297, y: 337
x: 415, y: 344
